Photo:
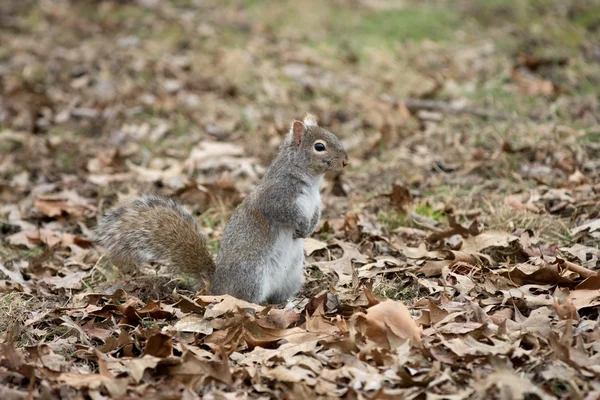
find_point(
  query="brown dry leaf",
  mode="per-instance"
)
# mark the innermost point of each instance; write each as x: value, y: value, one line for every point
x: 217, y: 156
x: 463, y: 284
x: 488, y: 239
x: 593, y: 282
x: 159, y: 345
x: 154, y: 309
x: 566, y: 311
x: 193, y: 370
x: 69, y: 281
x: 342, y: 266
x: 532, y: 85
x: 501, y: 316
x: 389, y: 324
x: 352, y: 228
x: 400, y: 197
x: 186, y: 305
x: 382, y: 265
x: 107, y: 179
x: 537, y: 321
x: 530, y: 295
x: 67, y: 202
x: 571, y: 355
x: 468, y: 345
x: 522, y: 202
x: 226, y: 304
x: 455, y: 229
x: 33, y: 239
x: 590, y: 226
x: 459, y: 328
x: 135, y: 367
x: 583, y: 298
x: 222, y: 193
x: 586, y: 255
x: 422, y: 252
x: 293, y: 374
x: 106, y: 161
x: 284, y: 351
x: 10, y: 286
x: 15, y: 277
x: 435, y: 268
x: 280, y: 319
x: 256, y: 335
x: 311, y: 245
x: 193, y: 323
x: 79, y: 381
x: 93, y: 331
x: 167, y: 176
x: 508, y: 384
x: 541, y: 273
x: 53, y: 208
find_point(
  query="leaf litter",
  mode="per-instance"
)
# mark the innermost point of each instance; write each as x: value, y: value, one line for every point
x: 456, y: 258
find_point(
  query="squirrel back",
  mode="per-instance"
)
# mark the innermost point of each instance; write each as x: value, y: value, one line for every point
x: 153, y: 228
x: 262, y: 249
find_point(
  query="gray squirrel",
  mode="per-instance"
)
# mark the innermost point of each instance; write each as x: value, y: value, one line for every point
x: 261, y: 254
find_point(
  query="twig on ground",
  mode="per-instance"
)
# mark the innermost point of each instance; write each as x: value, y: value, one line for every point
x: 414, y: 105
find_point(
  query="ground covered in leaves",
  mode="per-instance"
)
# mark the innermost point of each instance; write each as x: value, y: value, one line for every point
x: 457, y: 256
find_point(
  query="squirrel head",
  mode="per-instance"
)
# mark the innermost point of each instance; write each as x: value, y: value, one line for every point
x: 317, y: 148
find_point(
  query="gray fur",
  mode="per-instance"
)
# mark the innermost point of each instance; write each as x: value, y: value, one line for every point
x: 249, y: 238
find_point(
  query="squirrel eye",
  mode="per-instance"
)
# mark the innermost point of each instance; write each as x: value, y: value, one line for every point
x: 319, y: 146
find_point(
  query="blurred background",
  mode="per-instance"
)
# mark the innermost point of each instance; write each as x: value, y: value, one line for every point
x: 484, y: 109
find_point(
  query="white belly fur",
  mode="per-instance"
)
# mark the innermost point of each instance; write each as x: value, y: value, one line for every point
x: 310, y: 199
x: 287, y: 259
x: 284, y: 267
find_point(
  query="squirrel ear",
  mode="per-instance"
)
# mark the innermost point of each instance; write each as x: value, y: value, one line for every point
x: 298, y: 130
x: 310, y: 120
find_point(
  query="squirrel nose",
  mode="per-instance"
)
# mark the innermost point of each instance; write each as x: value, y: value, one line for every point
x: 345, y: 162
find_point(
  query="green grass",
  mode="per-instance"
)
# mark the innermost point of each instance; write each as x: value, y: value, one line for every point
x: 396, y: 290
x: 354, y: 28
x: 8, y: 146
x: 411, y: 23
x: 428, y: 211
x: 546, y: 28
x: 591, y: 137
x: 67, y: 158
x: 8, y: 252
x: 392, y: 219
x: 495, y: 96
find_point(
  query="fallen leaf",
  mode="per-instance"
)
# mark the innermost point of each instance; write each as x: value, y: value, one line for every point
x: 400, y: 197
x: 342, y: 266
x: 566, y: 311
x: 69, y: 281
x: 193, y: 323
x: 390, y: 324
x: 590, y: 226
x: 532, y: 85
x: 311, y: 245
x: 159, y: 345
x: 226, y: 304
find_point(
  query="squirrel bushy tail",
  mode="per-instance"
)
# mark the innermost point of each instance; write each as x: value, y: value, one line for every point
x: 154, y: 228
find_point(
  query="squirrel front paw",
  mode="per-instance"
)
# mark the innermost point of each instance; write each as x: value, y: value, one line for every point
x: 301, y: 233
